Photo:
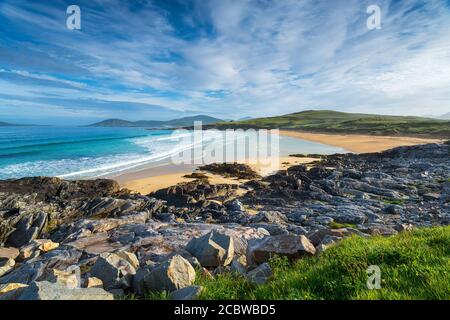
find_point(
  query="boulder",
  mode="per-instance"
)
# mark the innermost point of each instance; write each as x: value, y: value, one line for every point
x: 234, y: 205
x: 25, y: 273
x: 138, y: 284
x: 316, y: 237
x: 45, y: 245
x: 186, y: 293
x: 27, y: 252
x: 239, y: 264
x: 213, y: 249
x: 55, y: 291
x: 393, y: 209
x: 71, y: 277
x: 10, y: 291
x: 171, y: 275
x: 114, y: 271
x: 260, y: 274
x: 130, y: 257
x: 6, y: 265
x: 27, y: 229
x: 93, y: 282
x: 290, y: 246
x: 8, y: 253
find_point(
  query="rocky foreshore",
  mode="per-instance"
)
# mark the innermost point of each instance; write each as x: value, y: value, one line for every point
x: 93, y: 240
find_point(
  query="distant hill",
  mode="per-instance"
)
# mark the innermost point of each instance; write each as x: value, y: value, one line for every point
x: 7, y: 124
x: 175, y: 123
x: 347, y: 123
x: 445, y: 116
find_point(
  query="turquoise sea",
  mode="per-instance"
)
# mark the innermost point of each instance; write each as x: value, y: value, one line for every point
x: 88, y: 152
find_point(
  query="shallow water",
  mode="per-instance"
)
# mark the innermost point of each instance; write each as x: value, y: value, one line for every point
x: 87, y: 152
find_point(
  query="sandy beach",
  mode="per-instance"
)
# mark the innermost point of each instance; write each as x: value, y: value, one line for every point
x: 358, y: 143
x: 149, y: 180
x: 152, y: 179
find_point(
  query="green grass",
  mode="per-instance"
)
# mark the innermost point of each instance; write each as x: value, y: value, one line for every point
x: 340, y: 122
x: 337, y: 225
x: 414, y: 265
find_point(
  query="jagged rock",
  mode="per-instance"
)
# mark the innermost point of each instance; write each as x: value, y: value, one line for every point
x: 25, y: 273
x: 171, y: 275
x: 260, y: 274
x: 269, y: 217
x: 188, y: 194
x: 46, y: 245
x: 238, y: 170
x: 239, y: 264
x: 71, y: 277
x: 393, y: 209
x: 54, y: 291
x: 130, y: 257
x: 6, y: 265
x: 93, y: 282
x: 316, y: 237
x: 138, y: 283
x: 234, y: 205
x: 27, y: 229
x: 290, y: 246
x: 11, y: 291
x: 274, y: 229
x: 186, y: 255
x: 47, y: 188
x: 27, y: 251
x: 213, y: 249
x: 8, y: 253
x: 114, y: 271
x: 187, y: 293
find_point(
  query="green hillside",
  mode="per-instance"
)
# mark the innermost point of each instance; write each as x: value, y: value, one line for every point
x: 353, y: 123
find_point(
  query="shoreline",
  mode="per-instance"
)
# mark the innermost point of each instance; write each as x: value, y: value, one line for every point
x: 145, y: 181
x: 149, y: 180
x: 359, y: 143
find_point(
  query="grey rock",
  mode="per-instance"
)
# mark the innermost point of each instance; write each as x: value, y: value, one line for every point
x: 239, y: 264
x: 114, y: 271
x: 234, y: 205
x: 393, y: 209
x: 260, y: 274
x: 71, y: 277
x: 213, y: 249
x: 8, y: 253
x: 27, y: 229
x: 187, y: 293
x: 54, y: 291
x: 290, y: 246
x: 6, y: 265
x: 25, y: 273
x: 138, y: 284
x: 171, y: 275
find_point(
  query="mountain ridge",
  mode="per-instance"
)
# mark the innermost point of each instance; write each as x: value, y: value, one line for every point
x: 328, y: 121
x: 179, y: 122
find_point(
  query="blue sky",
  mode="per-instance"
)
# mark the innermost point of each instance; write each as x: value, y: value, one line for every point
x: 226, y: 58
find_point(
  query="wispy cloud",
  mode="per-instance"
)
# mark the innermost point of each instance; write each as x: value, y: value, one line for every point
x: 226, y: 58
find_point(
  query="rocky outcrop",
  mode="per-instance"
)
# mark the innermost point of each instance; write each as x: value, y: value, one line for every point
x: 174, y: 274
x: 234, y: 170
x: 114, y: 271
x: 54, y: 291
x: 213, y: 249
x: 291, y: 246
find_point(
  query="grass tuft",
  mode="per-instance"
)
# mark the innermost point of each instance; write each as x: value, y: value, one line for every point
x: 414, y: 265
